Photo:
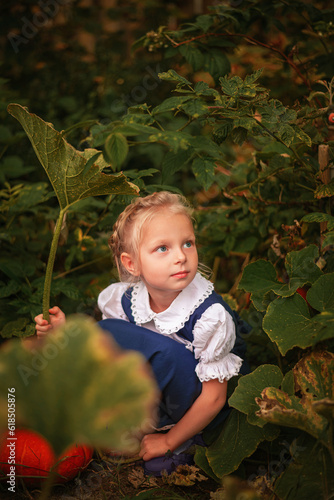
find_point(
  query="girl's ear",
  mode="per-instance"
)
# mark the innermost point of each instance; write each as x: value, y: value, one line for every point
x: 129, y: 264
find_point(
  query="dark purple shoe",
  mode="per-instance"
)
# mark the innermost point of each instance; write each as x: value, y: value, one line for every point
x: 157, y: 466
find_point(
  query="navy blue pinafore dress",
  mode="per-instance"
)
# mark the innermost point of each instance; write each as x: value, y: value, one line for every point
x: 172, y: 363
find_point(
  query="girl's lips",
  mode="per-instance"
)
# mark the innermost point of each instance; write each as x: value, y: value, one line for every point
x: 181, y: 274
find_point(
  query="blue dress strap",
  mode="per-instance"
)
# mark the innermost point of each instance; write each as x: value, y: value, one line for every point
x: 126, y: 304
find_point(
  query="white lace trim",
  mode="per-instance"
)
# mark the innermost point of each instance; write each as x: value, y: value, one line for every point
x: 227, y: 368
x: 174, y: 318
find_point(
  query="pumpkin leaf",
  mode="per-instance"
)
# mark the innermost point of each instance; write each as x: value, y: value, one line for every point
x: 314, y: 382
x: 288, y: 323
x: 77, y: 386
x: 308, y: 475
x: 250, y: 386
x: 225, y: 454
x: 65, y: 166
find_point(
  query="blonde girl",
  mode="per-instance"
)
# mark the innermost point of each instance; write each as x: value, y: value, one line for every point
x: 164, y: 308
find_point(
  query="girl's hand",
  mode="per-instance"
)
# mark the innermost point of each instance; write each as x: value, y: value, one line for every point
x: 57, y: 318
x: 153, y: 445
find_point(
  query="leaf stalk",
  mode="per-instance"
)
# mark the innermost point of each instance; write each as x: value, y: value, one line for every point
x: 50, y: 264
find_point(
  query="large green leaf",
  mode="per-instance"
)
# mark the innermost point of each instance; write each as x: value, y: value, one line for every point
x: 238, y: 440
x: 288, y: 323
x: 77, y: 386
x: 65, y: 166
x: 309, y: 475
x: 251, y: 386
x: 314, y: 382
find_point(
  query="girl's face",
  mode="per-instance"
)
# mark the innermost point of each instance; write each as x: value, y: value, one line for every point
x: 167, y: 254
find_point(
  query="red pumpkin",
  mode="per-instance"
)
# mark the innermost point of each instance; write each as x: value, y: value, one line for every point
x: 34, y: 458
x: 72, y: 461
x: 31, y: 451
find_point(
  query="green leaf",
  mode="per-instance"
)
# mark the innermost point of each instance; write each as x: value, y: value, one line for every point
x: 195, y: 108
x: 204, y: 170
x: 216, y: 63
x: 202, y: 88
x: 204, y: 22
x: 301, y: 266
x: 321, y: 294
x: 10, y: 289
x: 288, y: 323
x: 173, y: 162
x: 226, y: 454
x: 116, y: 148
x: 193, y: 56
x: 14, y: 328
x: 250, y: 386
x: 175, y: 140
x: 308, y: 475
x: 172, y: 76
x: 65, y: 165
x: 202, y: 462
x: 259, y: 278
x: 170, y: 104
x: 328, y: 239
x: 100, y: 401
x: 320, y: 217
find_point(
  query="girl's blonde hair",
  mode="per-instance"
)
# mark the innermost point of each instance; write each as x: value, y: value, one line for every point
x: 127, y: 231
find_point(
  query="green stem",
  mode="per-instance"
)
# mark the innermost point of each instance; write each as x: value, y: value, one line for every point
x: 50, y: 264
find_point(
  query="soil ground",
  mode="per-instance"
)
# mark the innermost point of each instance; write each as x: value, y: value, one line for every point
x: 113, y: 479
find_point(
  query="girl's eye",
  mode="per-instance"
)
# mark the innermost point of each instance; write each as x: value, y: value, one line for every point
x: 162, y: 249
x: 188, y: 244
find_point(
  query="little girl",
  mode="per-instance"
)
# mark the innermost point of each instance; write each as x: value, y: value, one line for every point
x: 166, y: 310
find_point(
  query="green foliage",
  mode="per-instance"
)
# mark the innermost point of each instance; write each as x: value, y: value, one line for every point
x: 235, y: 122
x: 74, y: 176
x: 77, y: 408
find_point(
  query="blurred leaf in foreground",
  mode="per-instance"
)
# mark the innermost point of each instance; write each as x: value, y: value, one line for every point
x: 77, y: 386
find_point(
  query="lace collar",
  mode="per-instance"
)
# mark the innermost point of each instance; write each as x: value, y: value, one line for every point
x: 172, y: 319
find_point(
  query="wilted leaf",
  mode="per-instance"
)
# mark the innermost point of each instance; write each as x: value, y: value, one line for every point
x: 65, y: 166
x: 324, y: 190
x: 313, y: 381
x: 76, y: 386
x: 226, y: 454
x: 250, y: 387
x: 279, y: 408
x: 185, y: 475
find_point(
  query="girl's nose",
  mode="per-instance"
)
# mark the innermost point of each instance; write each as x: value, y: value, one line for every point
x: 180, y: 256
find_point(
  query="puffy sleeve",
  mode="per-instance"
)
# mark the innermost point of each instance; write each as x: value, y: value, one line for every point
x: 109, y: 301
x: 214, y: 337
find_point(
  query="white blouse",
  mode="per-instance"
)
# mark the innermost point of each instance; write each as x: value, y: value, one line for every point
x: 214, y: 332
